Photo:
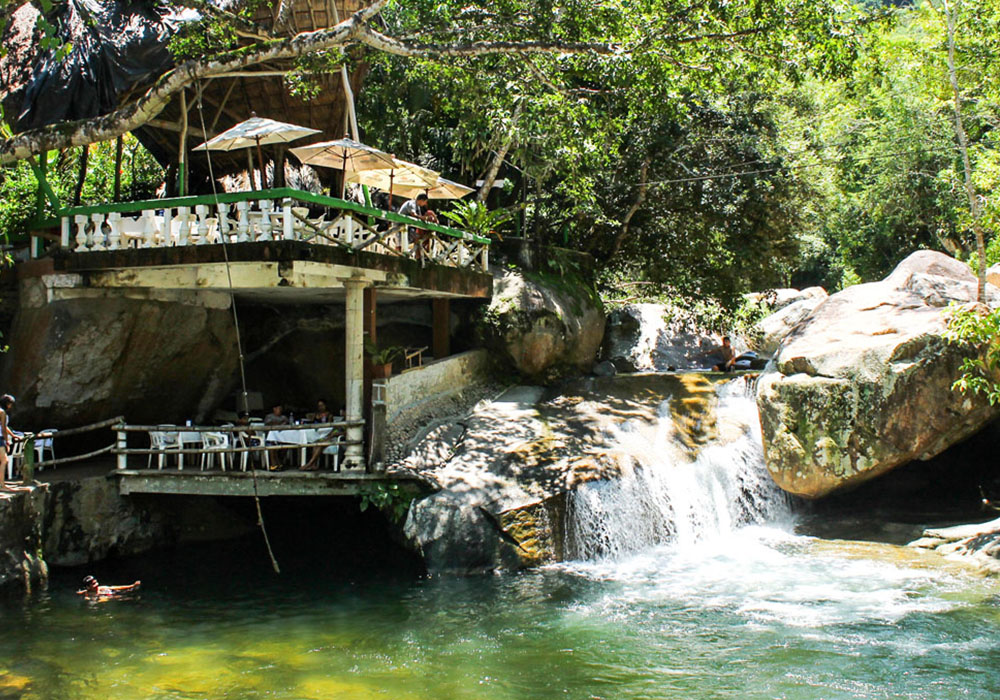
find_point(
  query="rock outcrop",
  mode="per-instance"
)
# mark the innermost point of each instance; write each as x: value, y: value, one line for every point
x: 67, y: 360
x: 660, y: 337
x: 979, y: 543
x: 864, y: 383
x: 22, y: 565
x: 546, y: 328
x: 777, y: 326
x: 507, y: 471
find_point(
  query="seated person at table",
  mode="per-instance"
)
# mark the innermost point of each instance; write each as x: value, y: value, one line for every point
x: 322, y: 414
x: 417, y: 208
x: 276, y: 416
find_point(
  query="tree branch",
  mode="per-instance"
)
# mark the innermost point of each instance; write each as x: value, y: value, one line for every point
x: 353, y: 30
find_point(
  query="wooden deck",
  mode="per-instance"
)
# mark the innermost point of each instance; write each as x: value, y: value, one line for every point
x: 261, y: 483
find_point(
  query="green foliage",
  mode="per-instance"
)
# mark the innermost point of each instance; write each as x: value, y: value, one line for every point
x: 389, y: 497
x: 140, y: 177
x: 384, y: 355
x: 476, y: 218
x: 978, y: 331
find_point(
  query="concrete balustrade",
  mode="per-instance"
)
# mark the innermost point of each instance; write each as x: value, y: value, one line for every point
x: 248, y: 218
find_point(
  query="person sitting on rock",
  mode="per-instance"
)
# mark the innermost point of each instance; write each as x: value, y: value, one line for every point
x: 726, y: 354
x: 92, y: 589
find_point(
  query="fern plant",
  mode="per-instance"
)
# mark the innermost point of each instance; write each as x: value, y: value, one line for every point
x: 476, y: 218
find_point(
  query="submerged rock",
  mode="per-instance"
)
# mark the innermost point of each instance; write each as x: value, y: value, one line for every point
x: 863, y: 383
x: 546, y: 327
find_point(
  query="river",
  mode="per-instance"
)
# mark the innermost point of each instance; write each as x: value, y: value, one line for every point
x: 690, y: 582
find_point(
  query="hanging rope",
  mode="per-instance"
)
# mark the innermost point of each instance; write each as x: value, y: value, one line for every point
x: 236, y: 325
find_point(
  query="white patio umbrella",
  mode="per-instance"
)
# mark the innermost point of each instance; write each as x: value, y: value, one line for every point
x: 443, y: 189
x: 344, y: 154
x: 402, y: 174
x: 256, y: 131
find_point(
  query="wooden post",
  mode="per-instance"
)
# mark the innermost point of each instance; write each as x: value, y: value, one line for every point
x: 120, y: 444
x: 441, y: 342
x: 182, y: 154
x: 118, y: 169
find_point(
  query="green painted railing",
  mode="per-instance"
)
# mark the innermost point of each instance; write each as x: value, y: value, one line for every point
x: 266, y: 215
x: 277, y: 193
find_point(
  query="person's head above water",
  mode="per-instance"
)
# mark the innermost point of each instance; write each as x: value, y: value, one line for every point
x: 90, y: 583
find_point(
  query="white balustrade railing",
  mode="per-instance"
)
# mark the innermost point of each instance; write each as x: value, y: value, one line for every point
x: 262, y: 220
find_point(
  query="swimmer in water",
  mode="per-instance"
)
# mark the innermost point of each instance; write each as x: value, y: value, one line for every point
x: 92, y: 589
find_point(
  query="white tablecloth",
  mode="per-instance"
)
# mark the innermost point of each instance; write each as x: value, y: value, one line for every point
x: 297, y: 436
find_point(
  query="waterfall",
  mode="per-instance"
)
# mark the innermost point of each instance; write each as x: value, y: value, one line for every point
x: 651, y: 324
x: 665, y: 496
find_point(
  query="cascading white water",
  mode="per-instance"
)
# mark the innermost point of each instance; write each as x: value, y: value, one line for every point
x: 664, y: 497
x: 651, y: 324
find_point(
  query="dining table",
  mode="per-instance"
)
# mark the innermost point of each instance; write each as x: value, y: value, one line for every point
x: 297, y: 435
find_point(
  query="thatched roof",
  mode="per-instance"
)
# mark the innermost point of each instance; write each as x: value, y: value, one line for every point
x: 124, y: 51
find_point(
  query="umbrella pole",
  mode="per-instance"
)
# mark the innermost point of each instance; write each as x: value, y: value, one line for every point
x: 391, y: 176
x: 250, y: 167
x: 260, y: 159
x: 343, y: 177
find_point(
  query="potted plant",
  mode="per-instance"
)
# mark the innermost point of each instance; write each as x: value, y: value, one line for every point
x: 382, y: 358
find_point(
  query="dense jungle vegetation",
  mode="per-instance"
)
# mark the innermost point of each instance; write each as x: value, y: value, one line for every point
x: 704, y: 147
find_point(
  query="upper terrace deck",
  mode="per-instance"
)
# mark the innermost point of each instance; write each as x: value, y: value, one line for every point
x: 304, y: 244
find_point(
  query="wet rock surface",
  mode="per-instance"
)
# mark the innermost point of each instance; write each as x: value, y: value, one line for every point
x: 506, y: 470
x: 863, y: 383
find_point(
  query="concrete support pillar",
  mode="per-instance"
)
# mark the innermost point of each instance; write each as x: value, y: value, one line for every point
x: 441, y: 341
x: 354, y: 372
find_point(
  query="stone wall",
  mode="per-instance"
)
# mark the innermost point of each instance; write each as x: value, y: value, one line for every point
x: 435, y: 380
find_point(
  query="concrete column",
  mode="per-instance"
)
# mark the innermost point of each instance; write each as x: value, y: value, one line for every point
x: 441, y: 341
x: 354, y: 373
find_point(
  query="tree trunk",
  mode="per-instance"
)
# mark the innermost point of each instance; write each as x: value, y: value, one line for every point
x: 118, y: 169
x: 975, y: 211
x: 81, y: 176
x: 491, y: 174
x: 639, y: 200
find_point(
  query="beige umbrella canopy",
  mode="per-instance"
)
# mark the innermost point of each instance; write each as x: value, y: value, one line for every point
x: 256, y: 131
x: 344, y: 154
x: 401, y: 174
x: 443, y: 189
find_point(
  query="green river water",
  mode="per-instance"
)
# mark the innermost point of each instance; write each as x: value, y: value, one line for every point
x: 763, y: 614
x: 694, y: 585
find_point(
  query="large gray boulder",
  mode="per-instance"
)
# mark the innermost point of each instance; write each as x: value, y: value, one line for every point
x: 776, y: 327
x: 546, y: 330
x: 82, y: 360
x: 864, y: 383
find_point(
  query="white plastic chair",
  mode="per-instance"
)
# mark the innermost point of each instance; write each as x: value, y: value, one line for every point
x: 44, y: 444
x: 14, y: 459
x: 214, y: 444
x: 331, y: 454
x: 163, y: 441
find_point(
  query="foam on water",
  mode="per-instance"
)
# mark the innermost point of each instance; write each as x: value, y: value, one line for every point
x: 663, y: 498
x: 716, y: 533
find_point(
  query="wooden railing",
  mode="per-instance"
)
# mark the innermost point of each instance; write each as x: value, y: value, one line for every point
x: 232, y: 447
x: 267, y: 215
